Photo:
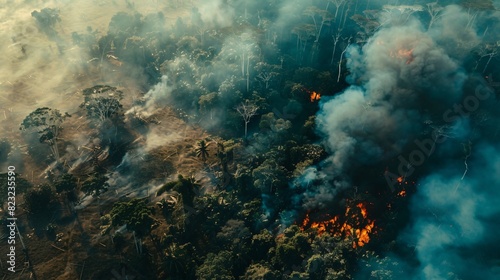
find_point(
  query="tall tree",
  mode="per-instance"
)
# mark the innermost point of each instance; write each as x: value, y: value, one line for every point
x: 95, y: 184
x: 434, y: 11
x: 341, y: 57
x: 478, y: 4
x: 38, y: 199
x: 304, y: 32
x: 202, y: 150
x: 46, y: 20
x: 102, y: 102
x: 490, y: 51
x: 65, y: 185
x: 47, y: 123
x: 136, y: 214
x: 247, y: 110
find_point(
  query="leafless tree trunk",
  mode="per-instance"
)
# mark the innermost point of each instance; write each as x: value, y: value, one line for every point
x: 341, y: 56
x: 335, y: 41
x: 434, y: 11
x: 247, y: 110
x: 248, y: 74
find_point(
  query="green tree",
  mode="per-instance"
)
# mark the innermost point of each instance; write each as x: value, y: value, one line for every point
x: 136, y: 214
x: 261, y: 244
x: 208, y: 102
x: 37, y: 200
x: 291, y: 248
x: 47, y: 123
x: 46, y: 20
x: 187, y: 187
x: 95, y: 184
x: 202, y: 150
x: 102, y: 102
x: 260, y: 272
x: 269, y: 176
x: 178, y: 261
x: 216, y: 267
x: 66, y: 185
x: 234, y: 234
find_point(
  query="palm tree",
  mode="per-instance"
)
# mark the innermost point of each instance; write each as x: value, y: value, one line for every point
x: 202, y: 150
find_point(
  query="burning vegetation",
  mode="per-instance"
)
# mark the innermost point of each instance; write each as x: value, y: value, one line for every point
x: 215, y: 108
x: 354, y: 225
x: 313, y: 95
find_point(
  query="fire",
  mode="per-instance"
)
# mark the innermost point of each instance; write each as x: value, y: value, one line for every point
x: 314, y: 96
x: 400, y: 179
x: 404, y: 54
x: 359, y: 233
x: 402, y: 193
x: 363, y: 234
x: 362, y: 207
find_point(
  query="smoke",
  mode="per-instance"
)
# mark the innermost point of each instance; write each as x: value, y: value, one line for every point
x: 40, y: 71
x: 451, y: 217
x: 404, y: 78
x: 453, y: 227
x: 157, y: 97
x: 217, y: 13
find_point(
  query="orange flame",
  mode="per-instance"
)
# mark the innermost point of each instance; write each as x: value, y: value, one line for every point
x: 314, y: 96
x: 362, y: 207
x: 360, y: 234
x: 402, y: 193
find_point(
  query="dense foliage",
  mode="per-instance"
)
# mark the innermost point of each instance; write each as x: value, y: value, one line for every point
x: 256, y: 86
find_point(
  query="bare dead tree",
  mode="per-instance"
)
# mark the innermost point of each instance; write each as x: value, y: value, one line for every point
x: 346, y: 13
x: 402, y: 12
x: 342, y: 56
x: 337, y: 4
x: 247, y: 110
x: 336, y: 38
x: 304, y: 32
x: 434, y: 11
x: 472, y: 15
x: 490, y: 51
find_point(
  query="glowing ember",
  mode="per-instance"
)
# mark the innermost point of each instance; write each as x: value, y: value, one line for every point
x: 400, y: 179
x: 402, y: 193
x: 359, y: 233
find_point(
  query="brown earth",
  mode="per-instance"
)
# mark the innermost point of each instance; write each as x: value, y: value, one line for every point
x: 77, y: 250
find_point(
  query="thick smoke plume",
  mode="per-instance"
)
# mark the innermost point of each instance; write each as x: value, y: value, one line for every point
x: 403, y: 80
x: 400, y: 79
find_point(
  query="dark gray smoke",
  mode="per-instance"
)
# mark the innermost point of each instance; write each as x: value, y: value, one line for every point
x: 400, y: 79
x: 404, y: 80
